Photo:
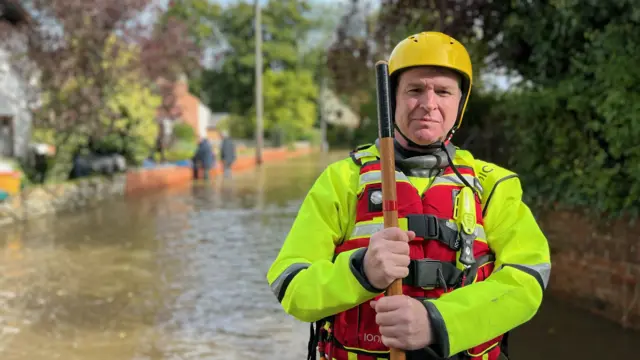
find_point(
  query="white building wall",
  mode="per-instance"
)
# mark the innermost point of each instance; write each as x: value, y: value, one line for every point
x: 13, y: 103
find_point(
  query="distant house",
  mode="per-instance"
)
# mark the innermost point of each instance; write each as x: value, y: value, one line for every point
x: 185, y: 107
x: 15, y: 119
x: 336, y: 112
x: 213, y: 131
x: 204, y: 118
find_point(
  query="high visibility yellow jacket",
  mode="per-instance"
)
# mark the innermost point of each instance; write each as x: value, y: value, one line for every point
x: 311, y: 285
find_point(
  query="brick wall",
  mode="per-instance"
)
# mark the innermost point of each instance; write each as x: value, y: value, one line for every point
x: 188, y: 105
x: 595, y: 266
x: 185, y: 105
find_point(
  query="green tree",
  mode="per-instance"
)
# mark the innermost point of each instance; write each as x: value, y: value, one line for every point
x: 127, y: 122
x: 200, y: 18
x: 184, y: 143
x: 231, y: 89
x: 81, y: 63
x: 574, y: 122
x: 198, y: 15
x: 288, y: 85
x: 290, y: 103
x: 134, y: 134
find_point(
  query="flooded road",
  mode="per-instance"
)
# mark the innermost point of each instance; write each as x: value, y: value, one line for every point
x: 181, y: 275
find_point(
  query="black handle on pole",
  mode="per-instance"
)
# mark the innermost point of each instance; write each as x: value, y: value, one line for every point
x: 385, y: 121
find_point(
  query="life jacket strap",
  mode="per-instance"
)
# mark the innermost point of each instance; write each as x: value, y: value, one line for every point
x: 429, y: 273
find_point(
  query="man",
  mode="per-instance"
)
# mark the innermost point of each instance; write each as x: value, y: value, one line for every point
x: 474, y: 263
x: 227, y: 153
x: 204, y: 158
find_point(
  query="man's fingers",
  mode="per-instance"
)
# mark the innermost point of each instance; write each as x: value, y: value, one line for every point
x: 396, y: 267
x: 397, y: 247
x: 387, y: 318
x: 389, y: 303
x: 399, y: 272
x: 400, y: 260
x: 397, y: 234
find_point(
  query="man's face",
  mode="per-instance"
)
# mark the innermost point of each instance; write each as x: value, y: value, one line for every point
x: 427, y: 100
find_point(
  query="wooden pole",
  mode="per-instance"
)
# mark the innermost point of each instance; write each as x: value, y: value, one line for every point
x: 258, y: 90
x: 388, y: 169
x: 324, y: 146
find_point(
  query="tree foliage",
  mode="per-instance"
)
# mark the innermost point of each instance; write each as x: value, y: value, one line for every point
x: 128, y: 122
x: 289, y: 88
x: 80, y: 52
x: 569, y: 127
x: 135, y: 132
x: 290, y: 98
x: 199, y: 18
x: 578, y: 118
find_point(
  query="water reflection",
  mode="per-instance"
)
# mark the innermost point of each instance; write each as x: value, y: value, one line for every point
x: 181, y: 275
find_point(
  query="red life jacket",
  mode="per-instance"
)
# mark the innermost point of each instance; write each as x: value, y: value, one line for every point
x: 434, y: 253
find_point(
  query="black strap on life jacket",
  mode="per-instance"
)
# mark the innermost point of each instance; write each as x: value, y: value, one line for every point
x: 429, y: 273
x: 504, y: 345
x: 431, y: 227
x: 314, y: 338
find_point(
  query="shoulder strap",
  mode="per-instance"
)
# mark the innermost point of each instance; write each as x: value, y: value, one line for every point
x: 363, y: 147
x: 360, y: 155
x: 465, y: 166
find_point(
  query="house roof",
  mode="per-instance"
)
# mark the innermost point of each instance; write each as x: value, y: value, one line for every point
x: 13, y: 12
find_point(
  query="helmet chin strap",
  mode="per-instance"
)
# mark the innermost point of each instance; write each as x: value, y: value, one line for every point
x: 422, y: 165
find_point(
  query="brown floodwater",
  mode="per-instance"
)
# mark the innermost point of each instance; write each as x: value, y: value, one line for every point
x: 180, y: 274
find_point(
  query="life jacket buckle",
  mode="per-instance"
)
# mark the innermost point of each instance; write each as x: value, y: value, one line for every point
x: 424, y: 273
x: 425, y: 226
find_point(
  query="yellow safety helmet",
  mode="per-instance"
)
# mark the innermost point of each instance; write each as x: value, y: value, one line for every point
x: 433, y: 49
